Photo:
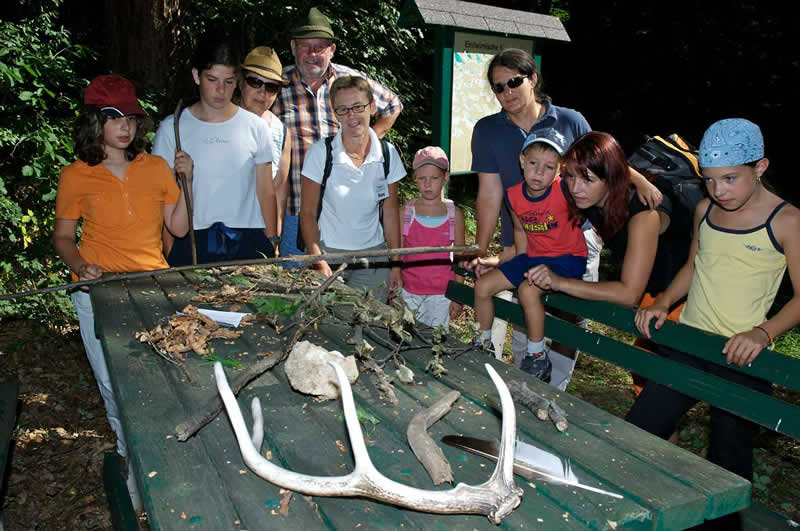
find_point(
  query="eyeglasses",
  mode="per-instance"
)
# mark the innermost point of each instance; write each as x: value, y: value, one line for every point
x: 258, y: 83
x: 512, y: 83
x: 358, y: 108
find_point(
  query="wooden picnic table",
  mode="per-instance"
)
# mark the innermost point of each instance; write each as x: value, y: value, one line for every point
x: 203, y: 483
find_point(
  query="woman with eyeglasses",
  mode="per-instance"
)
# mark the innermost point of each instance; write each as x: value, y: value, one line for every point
x: 356, y: 209
x: 235, y: 211
x: 261, y: 80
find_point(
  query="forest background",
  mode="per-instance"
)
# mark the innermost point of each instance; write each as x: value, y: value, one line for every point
x: 632, y: 68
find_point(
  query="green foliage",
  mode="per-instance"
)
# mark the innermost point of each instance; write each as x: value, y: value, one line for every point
x: 240, y: 280
x: 274, y: 305
x: 39, y: 91
x: 369, y: 41
x: 365, y: 418
x: 227, y: 361
x: 789, y: 343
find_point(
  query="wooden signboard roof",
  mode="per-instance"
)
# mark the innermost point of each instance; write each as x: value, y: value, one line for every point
x: 473, y: 16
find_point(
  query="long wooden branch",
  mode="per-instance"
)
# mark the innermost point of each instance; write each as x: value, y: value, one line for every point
x: 334, y: 258
x: 176, y: 120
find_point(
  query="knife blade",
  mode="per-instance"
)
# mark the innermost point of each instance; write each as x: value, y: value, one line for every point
x: 523, y: 465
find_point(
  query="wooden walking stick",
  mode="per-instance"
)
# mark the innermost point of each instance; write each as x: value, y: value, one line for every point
x: 182, y: 178
x: 304, y: 259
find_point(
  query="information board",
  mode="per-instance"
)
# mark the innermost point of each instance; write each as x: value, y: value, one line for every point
x: 472, y: 98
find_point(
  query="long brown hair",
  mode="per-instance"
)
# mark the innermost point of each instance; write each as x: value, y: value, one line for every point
x: 602, y: 154
x: 88, y: 136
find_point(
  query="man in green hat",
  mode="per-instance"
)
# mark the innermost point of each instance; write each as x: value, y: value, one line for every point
x: 304, y: 105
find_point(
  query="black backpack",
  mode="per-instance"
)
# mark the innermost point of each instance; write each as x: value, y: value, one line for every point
x: 326, y: 172
x: 674, y: 160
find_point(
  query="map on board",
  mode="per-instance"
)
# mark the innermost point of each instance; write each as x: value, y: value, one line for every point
x: 472, y: 98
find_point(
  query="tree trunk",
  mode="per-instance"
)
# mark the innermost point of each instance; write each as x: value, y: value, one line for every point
x: 141, y: 38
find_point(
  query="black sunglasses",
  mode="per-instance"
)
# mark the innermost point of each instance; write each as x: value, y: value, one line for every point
x: 513, y: 83
x: 257, y: 84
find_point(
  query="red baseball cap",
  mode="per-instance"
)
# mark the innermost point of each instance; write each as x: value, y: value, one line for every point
x: 114, y: 95
x: 431, y: 155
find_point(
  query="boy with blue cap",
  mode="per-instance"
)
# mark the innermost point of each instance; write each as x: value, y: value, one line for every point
x: 544, y: 233
x: 745, y: 239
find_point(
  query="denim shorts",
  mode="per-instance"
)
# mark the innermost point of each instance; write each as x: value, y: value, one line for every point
x: 567, y: 266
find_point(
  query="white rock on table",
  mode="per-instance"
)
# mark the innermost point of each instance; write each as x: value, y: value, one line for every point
x: 308, y: 370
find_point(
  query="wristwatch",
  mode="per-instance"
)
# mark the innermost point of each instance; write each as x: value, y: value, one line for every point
x: 274, y: 240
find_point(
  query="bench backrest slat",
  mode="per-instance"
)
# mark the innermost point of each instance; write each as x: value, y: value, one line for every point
x: 771, y: 366
x: 758, y: 407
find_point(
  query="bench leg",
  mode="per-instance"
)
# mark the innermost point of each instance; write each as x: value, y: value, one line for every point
x: 123, y: 517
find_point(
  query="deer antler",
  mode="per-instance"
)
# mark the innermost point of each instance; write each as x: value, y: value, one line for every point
x: 495, y: 498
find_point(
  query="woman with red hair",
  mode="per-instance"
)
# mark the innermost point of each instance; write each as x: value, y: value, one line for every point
x: 650, y: 246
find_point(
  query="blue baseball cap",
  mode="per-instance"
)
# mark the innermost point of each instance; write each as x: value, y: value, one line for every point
x: 731, y: 142
x: 548, y: 136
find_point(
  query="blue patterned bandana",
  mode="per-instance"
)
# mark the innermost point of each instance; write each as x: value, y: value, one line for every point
x: 731, y: 142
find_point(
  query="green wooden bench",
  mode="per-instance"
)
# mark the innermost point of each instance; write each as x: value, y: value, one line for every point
x: 203, y: 484
x: 763, y: 409
x: 8, y: 418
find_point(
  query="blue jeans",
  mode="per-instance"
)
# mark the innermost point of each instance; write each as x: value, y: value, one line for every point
x: 291, y: 225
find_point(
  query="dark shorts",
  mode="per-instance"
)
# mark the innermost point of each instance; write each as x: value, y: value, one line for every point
x: 567, y: 266
x: 219, y: 243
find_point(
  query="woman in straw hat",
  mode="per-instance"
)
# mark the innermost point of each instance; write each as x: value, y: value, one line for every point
x: 259, y: 83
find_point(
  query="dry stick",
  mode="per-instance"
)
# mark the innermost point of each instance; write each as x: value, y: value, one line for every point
x: 558, y: 416
x: 176, y: 118
x: 314, y: 296
x: 533, y: 401
x: 213, y: 407
x: 424, y: 447
x: 351, y: 257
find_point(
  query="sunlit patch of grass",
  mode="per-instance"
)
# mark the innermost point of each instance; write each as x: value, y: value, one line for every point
x: 789, y: 343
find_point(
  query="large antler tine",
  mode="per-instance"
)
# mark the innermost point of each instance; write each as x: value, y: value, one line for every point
x: 357, y: 442
x: 505, y: 457
x: 235, y: 414
x: 258, y: 424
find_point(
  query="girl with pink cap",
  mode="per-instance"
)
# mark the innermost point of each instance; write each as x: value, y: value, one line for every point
x: 430, y: 220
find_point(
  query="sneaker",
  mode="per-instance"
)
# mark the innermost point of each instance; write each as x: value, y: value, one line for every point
x: 485, y: 345
x: 538, y: 365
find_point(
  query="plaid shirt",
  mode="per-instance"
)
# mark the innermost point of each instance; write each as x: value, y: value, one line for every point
x: 309, y: 117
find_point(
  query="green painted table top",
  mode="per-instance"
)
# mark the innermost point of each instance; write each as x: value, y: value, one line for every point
x: 203, y: 483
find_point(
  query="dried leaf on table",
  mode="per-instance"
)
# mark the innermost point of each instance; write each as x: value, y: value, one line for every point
x: 188, y: 332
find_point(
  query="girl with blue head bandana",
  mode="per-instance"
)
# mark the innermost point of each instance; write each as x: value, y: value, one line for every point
x: 745, y: 238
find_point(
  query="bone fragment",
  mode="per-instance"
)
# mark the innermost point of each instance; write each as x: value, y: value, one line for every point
x: 424, y: 447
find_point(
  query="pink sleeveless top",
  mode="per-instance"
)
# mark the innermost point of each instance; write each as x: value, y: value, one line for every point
x: 427, y: 274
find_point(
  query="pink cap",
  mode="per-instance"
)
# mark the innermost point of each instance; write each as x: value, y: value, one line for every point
x: 431, y: 155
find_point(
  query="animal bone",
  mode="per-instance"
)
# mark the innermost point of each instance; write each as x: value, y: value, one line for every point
x: 495, y: 498
x: 423, y: 445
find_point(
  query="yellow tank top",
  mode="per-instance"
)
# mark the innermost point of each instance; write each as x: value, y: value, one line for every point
x: 736, y: 276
